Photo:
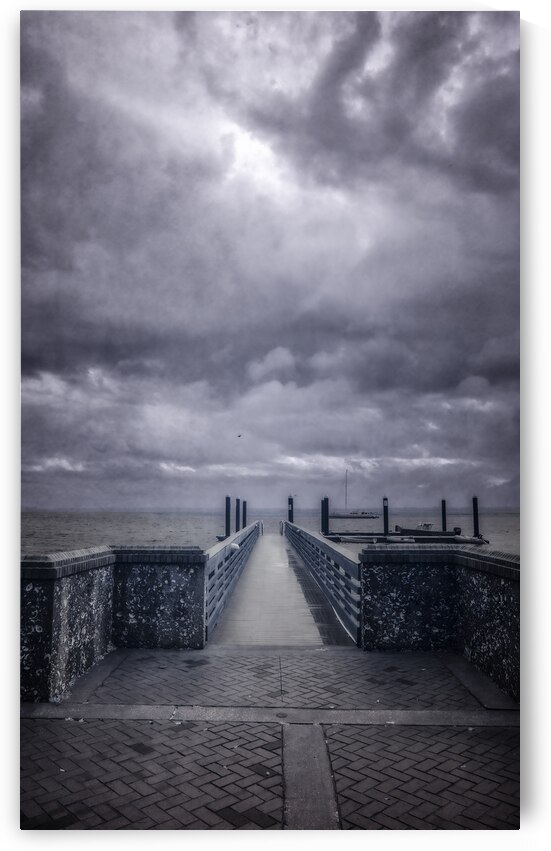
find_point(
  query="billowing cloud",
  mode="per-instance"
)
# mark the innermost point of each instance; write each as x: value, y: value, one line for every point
x: 299, y: 228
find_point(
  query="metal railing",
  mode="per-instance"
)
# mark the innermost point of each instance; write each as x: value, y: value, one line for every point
x: 225, y: 562
x: 336, y: 573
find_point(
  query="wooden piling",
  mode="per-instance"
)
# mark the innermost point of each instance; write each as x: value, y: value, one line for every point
x: 290, y: 510
x: 228, y: 516
x: 444, y: 528
x: 325, y: 516
x: 244, y: 512
x: 476, y: 529
x: 237, y: 515
x: 385, y: 515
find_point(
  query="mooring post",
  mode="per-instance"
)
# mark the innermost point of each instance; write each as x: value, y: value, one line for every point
x: 228, y: 517
x: 444, y: 528
x: 385, y: 515
x: 476, y: 532
x: 244, y: 513
x: 290, y: 510
x: 325, y: 515
x: 237, y: 514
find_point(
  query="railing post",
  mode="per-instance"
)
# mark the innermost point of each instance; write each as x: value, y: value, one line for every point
x: 476, y: 532
x: 237, y: 514
x: 244, y: 513
x: 444, y: 528
x: 385, y: 515
x: 290, y: 511
x: 228, y: 516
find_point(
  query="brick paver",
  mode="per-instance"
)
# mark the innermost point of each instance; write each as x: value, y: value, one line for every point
x: 138, y: 775
x: 427, y: 778
x: 316, y: 678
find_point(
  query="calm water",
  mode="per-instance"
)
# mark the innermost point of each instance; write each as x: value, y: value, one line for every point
x: 50, y: 531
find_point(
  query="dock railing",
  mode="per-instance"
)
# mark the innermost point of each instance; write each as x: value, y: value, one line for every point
x: 335, y: 571
x: 224, y: 565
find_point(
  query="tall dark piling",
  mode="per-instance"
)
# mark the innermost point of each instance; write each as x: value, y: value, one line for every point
x: 476, y: 529
x: 325, y: 516
x: 385, y: 515
x: 228, y: 517
x: 290, y: 510
x: 237, y: 515
x: 444, y: 527
x: 244, y: 512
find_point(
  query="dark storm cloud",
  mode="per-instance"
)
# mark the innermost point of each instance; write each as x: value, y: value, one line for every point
x: 352, y: 124
x: 318, y: 250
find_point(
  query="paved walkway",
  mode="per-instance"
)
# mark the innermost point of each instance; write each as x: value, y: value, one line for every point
x: 278, y: 603
x: 299, y: 735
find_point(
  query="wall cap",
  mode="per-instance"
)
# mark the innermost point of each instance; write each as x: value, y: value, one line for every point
x: 60, y: 564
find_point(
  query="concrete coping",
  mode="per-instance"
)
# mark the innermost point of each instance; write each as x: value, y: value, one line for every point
x: 161, y: 555
x: 60, y: 564
x: 469, y: 556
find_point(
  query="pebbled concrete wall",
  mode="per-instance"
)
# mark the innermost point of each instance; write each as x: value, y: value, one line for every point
x: 159, y: 597
x: 444, y: 597
x: 76, y: 606
x: 409, y: 606
x: 66, y: 610
x: 488, y: 608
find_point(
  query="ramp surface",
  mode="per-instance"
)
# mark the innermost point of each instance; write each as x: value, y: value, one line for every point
x: 277, y: 603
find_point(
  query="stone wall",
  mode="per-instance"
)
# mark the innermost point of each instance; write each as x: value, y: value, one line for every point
x: 424, y: 597
x: 488, y: 608
x: 159, y: 597
x: 444, y: 597
x: 66, y: 616
x: 76, y: 606
x: 411, y: 605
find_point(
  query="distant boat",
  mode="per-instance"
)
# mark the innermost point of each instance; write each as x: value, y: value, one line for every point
x: 355, y: 515
x: 425, y: 526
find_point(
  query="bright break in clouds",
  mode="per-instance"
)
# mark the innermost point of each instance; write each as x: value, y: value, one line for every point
x: 301, y: 228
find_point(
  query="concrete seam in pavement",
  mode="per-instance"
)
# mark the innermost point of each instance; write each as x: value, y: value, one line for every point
x: 310, y: 800
x: 271, y: 714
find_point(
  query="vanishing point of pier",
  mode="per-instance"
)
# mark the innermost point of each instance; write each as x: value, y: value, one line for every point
x: 273, y: 682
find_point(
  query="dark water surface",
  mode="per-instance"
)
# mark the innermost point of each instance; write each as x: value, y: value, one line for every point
x: 52, y: 531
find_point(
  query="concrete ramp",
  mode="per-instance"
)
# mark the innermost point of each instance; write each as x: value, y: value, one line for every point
x: 277, y: 603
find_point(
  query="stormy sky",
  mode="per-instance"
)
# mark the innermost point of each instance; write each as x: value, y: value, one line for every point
x: 259, y: 249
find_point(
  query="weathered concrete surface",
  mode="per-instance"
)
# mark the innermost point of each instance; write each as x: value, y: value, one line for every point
x: 445, y: 597
x: 66, y: 609
x: 159, y: 597
x: 488, y: 609
x: 411, y: 606
x: 310, y: 802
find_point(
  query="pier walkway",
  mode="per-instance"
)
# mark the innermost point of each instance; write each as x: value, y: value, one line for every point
x: 280, y: 723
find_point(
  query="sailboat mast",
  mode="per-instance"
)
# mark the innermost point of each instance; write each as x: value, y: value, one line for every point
x: 346, y: 489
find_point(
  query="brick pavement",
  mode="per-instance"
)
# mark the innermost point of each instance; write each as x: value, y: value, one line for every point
x: 226, y: 774
x: 426, y: 778
x: 410, y: 742
x: 139, y: 775
x: 321, y: 678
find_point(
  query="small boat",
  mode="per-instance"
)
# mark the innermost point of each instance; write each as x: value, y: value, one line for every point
x: 355, y: 515
x: 426, y: 526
